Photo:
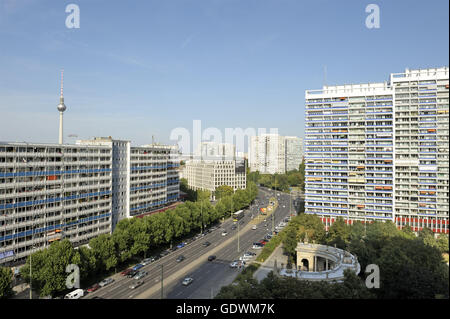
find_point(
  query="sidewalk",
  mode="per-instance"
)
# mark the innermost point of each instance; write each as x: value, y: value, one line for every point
x: 268, y: 265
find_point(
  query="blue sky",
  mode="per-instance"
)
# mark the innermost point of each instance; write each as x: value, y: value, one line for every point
x: 140, y: 68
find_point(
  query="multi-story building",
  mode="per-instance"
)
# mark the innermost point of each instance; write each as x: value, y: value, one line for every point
x: 120, y: 175
x: 53, y: 191
x: 49, y: 192
x: 210, y: 174
x: 294, y: 152
x: 213, y: 151
x: 154, y: 179
x: 380, y: 151
x: 267, y: 154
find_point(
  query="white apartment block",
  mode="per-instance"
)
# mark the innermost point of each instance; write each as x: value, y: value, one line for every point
x: 267, y: 154
x: 294, y: 152
x: 380, y: 151
x: 210, y: 174
x: 49, y: 192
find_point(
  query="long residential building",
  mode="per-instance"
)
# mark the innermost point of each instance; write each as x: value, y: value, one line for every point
x: 49, y: 192
x: 380, y: 151
x: 293, y: 152
x: 53, y: 191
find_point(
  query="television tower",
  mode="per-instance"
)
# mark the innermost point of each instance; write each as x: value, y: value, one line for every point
x: 61, y: 108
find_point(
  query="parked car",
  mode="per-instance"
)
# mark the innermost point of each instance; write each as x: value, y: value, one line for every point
x: 174, y: 248
x: 93, y: 288
x: 164, y: 253
x: 136, y: 284
x: 140, y: 275
x: 181, y: 245
x: 224, y: 233
x: 254, y: 227
x: 206, y: 244
x: 126, y: 272
x: 233, y: 227
x: 234, y: 264
x: 137, y: 267
x: 180, y: 258
x: 187, y: 281
x: 147, y: 261
x: 257, y: 246
x: 211, y: 258
x: 132, y: 273
x: 106, y: 281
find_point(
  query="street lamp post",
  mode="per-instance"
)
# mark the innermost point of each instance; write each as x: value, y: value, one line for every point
x: 162, y: 281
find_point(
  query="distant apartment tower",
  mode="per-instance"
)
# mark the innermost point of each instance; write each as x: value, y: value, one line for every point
x: 210, y: 174
x: 267, y: 154
x: 213, y: 150
x: 379, y: 151
x: 294, y: 152
x: 49, y: 192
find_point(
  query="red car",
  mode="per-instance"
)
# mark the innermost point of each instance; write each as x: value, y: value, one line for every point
x: 263, y: 242
x: 93, y: 288
x: 126, y: 272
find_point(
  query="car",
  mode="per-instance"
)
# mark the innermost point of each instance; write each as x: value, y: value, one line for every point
x: 257, y: 246
x: 180, y: 258
x: 137, y: 267
x: 206, y: 244
x: 132, y: 273
x: 254, y: 227
x: 164, y: 253
x: 126, y: 272
x: 147, y: 261
x: 105, y: 282
x: 211, y: 258
x: 233, y: 227
x: 140, y: 275
x: 93, y: 288
x: 250, y: 253
x: 174, y: 248
x: 234, y: 264
x: 181, y: 245
x: 262, y: 242
x: 224, y: 233
x: 267, y: 237
x: 136, y: 284
x: 187, y: 281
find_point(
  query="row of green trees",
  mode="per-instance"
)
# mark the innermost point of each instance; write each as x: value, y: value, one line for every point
x: 281, y: 182
x: 132, y: 238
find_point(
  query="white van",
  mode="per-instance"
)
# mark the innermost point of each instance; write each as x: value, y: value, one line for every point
x: 76, y: 294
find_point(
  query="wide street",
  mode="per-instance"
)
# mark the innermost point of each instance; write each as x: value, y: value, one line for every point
x: 208, y: 276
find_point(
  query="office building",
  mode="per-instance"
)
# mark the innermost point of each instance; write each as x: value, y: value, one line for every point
x: 210, y: 174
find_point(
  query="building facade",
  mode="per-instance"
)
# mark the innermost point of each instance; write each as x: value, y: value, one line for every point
x: 379, y: 151
x: 294, y: 152
x: 267, y: 154
x: 49, y: 192
x: 210, y: 174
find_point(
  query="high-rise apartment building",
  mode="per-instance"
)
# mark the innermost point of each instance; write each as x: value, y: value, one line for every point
x: 213, y: 151
x: 379, y: 151
x: 294, y: 152
x: 267, y: 154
